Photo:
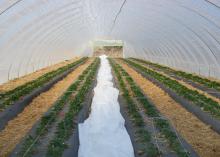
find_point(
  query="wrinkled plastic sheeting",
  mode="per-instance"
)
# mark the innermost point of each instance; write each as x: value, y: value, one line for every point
x: 104, y: 134
x: 184, y: 34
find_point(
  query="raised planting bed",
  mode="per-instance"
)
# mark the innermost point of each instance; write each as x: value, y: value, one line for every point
x: 132, y: 92
x: 142, y: 144
x: 10, y: 97
x: 30, y: 91
x: 12, y: 84
x: 204, y: 108
x: 49, y: 129
x: 206, y: 85
x: 65, y: 128
x: 73, y: 141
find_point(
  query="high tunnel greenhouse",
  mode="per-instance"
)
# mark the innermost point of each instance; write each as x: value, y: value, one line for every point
x: 109, y: 78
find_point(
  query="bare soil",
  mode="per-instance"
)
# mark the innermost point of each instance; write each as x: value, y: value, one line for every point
x: 200, y: 136
x: 17, y: 128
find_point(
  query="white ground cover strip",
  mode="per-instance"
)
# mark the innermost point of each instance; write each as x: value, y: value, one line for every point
x: 104, y: 134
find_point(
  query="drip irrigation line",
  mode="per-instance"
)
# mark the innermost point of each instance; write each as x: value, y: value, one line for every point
x: 155, y: 136
x: 36, y: 139
x: 178, y: 137
x: 173, y: 128
x: 138, y: 98
x: 69, y: 91
x: 44, y: 128
x: 47, y: 124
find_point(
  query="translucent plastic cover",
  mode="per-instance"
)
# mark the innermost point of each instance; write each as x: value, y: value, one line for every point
x: 184, y: 34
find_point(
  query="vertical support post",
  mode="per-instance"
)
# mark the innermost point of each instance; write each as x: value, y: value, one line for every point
x: 9, y: 70
x: 209, y: 70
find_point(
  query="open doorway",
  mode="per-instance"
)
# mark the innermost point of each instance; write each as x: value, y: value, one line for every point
x: 111, y: 48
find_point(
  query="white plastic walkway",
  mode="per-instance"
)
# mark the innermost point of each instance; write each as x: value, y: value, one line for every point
x: 103, y: 134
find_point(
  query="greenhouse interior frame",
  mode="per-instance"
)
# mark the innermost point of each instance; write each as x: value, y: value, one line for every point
x: 109, y: 78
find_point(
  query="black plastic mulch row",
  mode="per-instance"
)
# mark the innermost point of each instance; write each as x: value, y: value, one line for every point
x: 50, y: 117
x: 161, y: 123
x: 9, y: 97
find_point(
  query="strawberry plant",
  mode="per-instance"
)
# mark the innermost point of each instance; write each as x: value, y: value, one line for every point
x: 9, y: 97
x: 64, y: 129
x: 51, y: 116
x: 205, y: 103
x: 161, y: 123
x: 144, y: 136
x: 203, y: 81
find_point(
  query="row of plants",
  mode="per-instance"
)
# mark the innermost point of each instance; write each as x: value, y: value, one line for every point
x: 50, y: 118
x: 203, y: 81
x: 160, y: 122
x: 144, y: 137
x: 9, y: 97
x: 65, y: 128
x: 205, y: 103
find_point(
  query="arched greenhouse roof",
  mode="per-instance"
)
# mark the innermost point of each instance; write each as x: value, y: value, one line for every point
x: 184, y: 34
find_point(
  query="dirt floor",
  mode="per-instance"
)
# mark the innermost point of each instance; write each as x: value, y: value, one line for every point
x: 202, y: 138
x: 32, y: 76
x: 17, y: 128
